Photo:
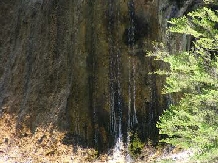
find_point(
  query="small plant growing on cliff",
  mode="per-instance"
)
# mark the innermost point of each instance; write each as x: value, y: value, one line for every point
x: 136, y: 145
x: 192, y: 122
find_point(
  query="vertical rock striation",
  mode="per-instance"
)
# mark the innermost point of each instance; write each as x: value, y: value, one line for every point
x: 73, y: 64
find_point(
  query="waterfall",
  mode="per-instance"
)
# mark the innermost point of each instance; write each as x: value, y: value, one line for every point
x: 111, y: 75
x: 91, y: 72
x: 132, y: 119
x: 120, y: 150
x: 115, y: 84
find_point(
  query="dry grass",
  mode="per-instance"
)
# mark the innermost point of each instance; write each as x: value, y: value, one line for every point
x: 42, y: 146
x: 45, y: 146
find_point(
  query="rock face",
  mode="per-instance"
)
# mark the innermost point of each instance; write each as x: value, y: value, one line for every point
x: 81, y: 66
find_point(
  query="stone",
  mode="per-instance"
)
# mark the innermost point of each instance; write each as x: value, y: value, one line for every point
x: 70, y: 64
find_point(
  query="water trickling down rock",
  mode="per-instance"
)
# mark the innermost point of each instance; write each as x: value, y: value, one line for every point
x: 81, y: 65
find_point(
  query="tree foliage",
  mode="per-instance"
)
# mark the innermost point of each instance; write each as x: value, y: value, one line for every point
x: 193, y: 121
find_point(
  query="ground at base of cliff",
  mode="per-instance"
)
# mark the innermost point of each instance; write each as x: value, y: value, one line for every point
x: 45, y: 146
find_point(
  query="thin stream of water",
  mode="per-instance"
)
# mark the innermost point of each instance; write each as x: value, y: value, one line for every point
x: 120, y: 151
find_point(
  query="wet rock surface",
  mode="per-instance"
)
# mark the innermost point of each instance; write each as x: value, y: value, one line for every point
x: 70, y: 64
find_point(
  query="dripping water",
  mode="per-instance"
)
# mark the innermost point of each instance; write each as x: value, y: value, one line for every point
x: 111, y: 75
x: 132, y: 119
x: 115, y: 84
x: 120, y: 151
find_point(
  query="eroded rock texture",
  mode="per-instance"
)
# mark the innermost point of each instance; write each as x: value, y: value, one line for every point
x: 81, y: 65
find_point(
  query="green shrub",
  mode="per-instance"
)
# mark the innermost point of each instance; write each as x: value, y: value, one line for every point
x: 135, y: 146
